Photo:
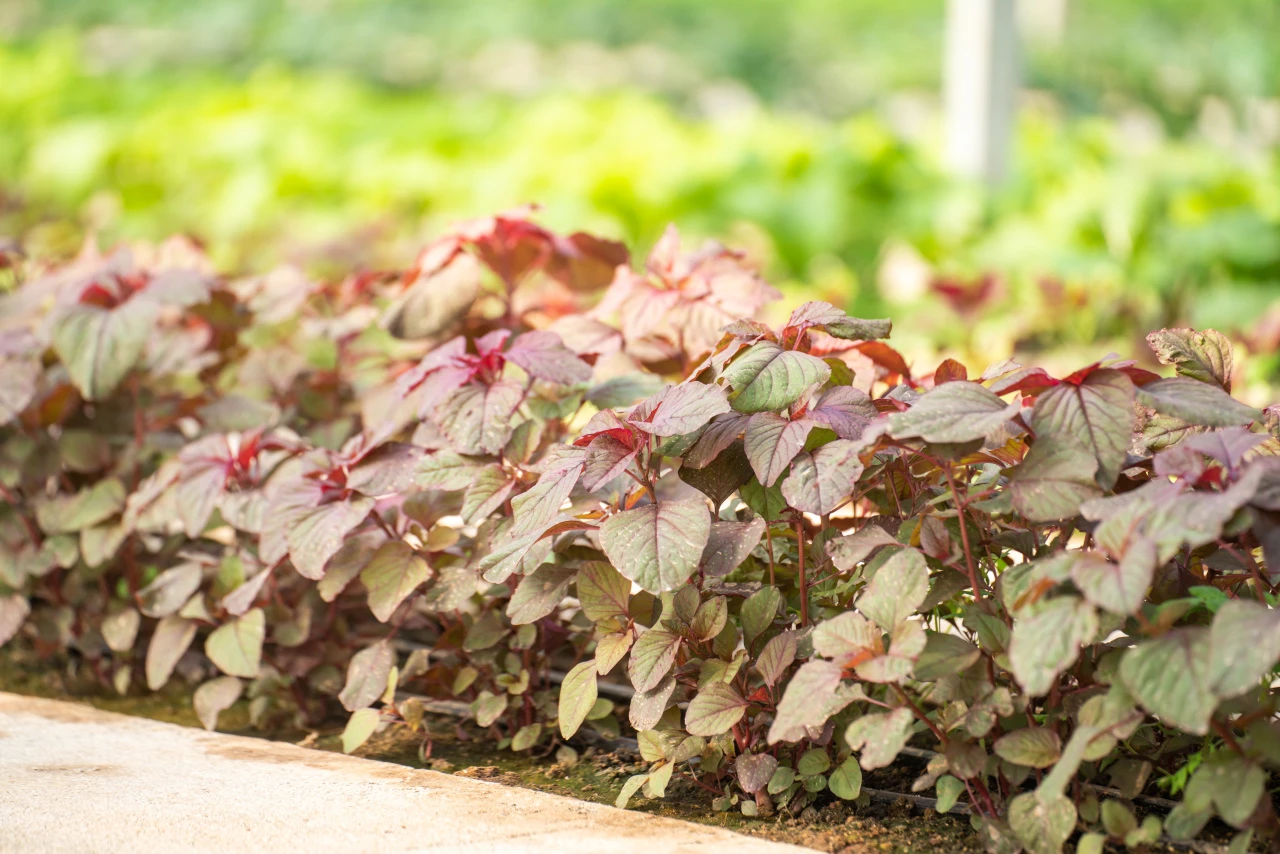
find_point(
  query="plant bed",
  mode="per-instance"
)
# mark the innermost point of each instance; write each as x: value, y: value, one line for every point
x: 573, y: 500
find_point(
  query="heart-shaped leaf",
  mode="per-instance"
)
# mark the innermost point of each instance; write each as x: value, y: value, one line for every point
x: 658, y: 546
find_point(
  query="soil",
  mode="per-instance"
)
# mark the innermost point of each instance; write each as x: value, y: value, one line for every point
x: 861, y: 827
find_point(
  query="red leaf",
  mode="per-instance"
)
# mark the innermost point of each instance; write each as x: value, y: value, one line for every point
x: 886, y: 357
x: 949, y: 371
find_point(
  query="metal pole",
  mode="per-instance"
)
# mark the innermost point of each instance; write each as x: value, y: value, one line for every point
x: 979, y: 87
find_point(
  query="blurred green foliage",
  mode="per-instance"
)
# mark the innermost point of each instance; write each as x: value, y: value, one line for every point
x: 829, y: 56
x: 277, y: 145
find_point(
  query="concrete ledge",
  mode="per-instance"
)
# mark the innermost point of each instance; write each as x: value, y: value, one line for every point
x: 76, y: 779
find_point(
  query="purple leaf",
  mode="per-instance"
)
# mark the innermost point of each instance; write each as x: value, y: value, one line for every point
x: 845, y: 410
x: 720, y: 434
x: 729, y: 544
x: 658, y: 546
x: 544, y: 356
x: 820, y: 481
x: 772, y: 442
x: 685, y: 408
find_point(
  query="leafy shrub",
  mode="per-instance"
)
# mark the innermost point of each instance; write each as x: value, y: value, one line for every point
x: 804, y: 556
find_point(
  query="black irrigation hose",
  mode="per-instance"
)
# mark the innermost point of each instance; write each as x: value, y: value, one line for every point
x: 459, y: 709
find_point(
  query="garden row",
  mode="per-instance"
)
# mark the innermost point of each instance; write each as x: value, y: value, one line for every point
x: 524, y: 456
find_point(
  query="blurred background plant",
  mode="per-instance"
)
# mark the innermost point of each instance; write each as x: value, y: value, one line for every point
x: 332, y: 133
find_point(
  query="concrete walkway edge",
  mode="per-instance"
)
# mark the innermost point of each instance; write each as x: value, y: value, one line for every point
x: 75, y: 779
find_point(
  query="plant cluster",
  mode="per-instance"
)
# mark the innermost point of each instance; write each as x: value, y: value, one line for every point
x: 522, y: 470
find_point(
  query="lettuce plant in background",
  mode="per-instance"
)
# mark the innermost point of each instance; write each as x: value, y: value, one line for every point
x: 809, y: 560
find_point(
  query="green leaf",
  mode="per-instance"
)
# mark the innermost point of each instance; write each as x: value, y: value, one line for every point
x: 170, y: 590
x: 367, y: 675
x: 766, y: 377
x: 610, y: 649
x: 658, y: 546
x: 1053, y: 480
x: 488, y: 707
x: 1117, y: 819
x: 758, y: 613
x: 603, y: 592
x: 1196, y: 403
x: 897, y: 589
x: 120, y: 629
x: 1034, y: 747
x: 486, y: 631
x: 1171, y: 677
x: 1092, y: 843
x: 1244, y: 639
x: 845, y: 636
x: 99, y: 346
x: 766, y: 502
x: 710, y: 618
x: 68, y: 514
x: 1048, y: 641
x: 953, y: 412
x: 623, y: 390
x: 1042, y: 824
x: 629, y: 789
x: 526, y: 737
x: 721, y: 477
x: 659, y: 777
x: 715, y: 710
x: 781, y: 780
x: 1117, y: 587
x: 1204, y: 356
x: 879, y: 738
x: 539, y: 593
x: 359, y: 727
x: 577, y: 696
x: 846, y: 781
x: 171, y: 639
x: 236, y: 647
x: 1233, y: 783
x: 949, y: 790
x: 944, y: 655
x: 1095, y: 415
x: 772, y: 442
x: 214, y: 697
x: 812, y: 762
x: 652, y: 656
x: 395, y: 570
x: 820, y: 481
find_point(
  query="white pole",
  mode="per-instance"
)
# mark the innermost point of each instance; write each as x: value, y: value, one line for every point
x: 979, y: 87
x: 1043, y: 21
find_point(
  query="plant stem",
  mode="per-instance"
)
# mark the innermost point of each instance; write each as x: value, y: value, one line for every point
x: 964, y: 535
x: 768, y: 544
x: 804, y: 589
x: 921, y: 716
